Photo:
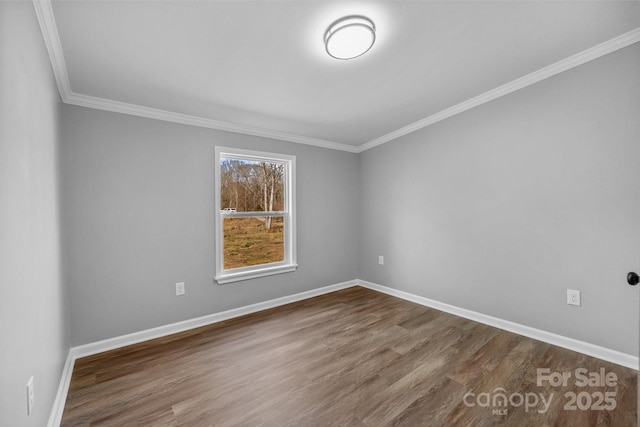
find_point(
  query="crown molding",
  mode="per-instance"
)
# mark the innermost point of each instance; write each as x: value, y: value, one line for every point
x: 49, y: 30
x: 47, y: 22
x: 587, y: 55
x: 185, y: 119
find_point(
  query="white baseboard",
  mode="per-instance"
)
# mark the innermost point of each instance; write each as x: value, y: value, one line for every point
x: 161, y: 331
x: 63, y: 388
x: 593, y: 350
x: 613, y: 356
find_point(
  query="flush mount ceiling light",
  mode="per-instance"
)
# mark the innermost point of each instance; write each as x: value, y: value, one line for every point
x: 350, y: 37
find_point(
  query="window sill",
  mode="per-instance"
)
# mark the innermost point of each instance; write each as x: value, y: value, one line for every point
x: 255, y: 273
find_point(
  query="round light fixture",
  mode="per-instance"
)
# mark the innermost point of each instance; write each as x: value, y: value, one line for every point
x: 350, y: 37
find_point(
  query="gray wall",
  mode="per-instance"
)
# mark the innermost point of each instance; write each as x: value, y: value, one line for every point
x: 33, y: 327
x: 502, y: 208
x: 499, y: 211
x: 139, y: 204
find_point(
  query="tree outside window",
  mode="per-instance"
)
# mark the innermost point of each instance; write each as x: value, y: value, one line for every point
x: 254, y: 219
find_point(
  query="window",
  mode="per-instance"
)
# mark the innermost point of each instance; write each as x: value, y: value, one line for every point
x: 255, y: 214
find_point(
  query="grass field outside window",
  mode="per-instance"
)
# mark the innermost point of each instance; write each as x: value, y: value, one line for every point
x: 255, y: 214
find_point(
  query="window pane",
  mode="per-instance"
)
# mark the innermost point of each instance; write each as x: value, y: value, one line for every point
x: 253, y: 241
x: 251, y: 186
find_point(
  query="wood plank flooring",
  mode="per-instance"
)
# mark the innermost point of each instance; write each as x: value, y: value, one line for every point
x: 350, y: 358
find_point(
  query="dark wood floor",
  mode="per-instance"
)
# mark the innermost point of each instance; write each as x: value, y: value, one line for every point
x: 351, y: 358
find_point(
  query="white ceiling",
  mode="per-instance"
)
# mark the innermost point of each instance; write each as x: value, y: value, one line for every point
x: 259, y: 67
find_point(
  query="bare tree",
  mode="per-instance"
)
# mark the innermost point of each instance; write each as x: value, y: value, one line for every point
x: 252, y: 187
x: 272, y: 174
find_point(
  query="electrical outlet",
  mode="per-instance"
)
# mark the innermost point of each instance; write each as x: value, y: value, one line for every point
x: 180, y: 289
x: 381, y: 260
x: 31, y: 399
x: 573, y: 297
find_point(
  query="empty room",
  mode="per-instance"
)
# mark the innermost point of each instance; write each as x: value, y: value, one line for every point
x: 319, y: 213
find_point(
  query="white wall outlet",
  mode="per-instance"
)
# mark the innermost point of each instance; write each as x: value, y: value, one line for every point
x: 573, y: 297
x: 381, y: 260
x: 31, y: 397
x: 180, y: 288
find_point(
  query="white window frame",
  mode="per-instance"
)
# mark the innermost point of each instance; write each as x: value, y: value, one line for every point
x: 254, y: 271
